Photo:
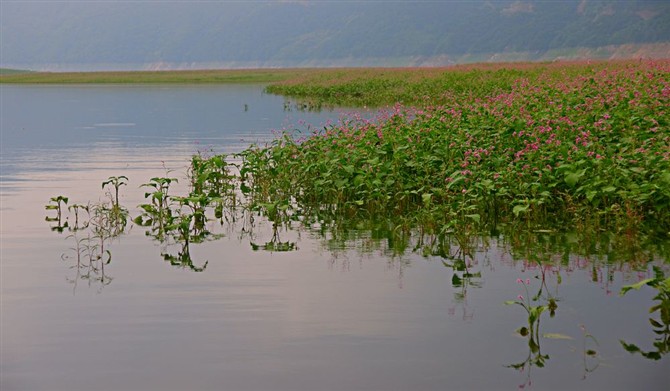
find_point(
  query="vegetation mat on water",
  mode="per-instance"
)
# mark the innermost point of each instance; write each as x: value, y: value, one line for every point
x: 546, y: 146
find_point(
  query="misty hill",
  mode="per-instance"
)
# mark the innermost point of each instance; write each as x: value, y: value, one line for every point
x: 86, y: 35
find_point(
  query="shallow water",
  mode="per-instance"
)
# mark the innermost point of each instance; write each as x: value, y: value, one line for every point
x: 332, y: 315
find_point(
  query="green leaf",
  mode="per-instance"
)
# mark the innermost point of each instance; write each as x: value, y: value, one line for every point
x: 591, y: 194
x: 426, y: 198
x: 572, y: 178
x: 630, y: 347
x: 520, y: 209
x: 635, y: 286
x: 655, y: 323
x: 654, y: 308
x: 474, y: 217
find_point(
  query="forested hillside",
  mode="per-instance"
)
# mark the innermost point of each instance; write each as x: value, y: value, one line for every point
x: 295, y: 33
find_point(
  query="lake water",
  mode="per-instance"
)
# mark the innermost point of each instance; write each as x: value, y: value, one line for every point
x: 331, y: 315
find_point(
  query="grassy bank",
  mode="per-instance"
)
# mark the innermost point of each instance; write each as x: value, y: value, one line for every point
x: 148, y: 77
x: 8, y: 71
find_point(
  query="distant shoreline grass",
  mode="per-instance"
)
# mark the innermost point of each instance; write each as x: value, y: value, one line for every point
x: 10, y: 71
x: 154, y: 77
x: 283, y: 80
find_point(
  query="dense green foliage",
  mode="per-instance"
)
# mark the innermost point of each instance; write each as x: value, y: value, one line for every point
x: 410, y: 86
x: 548, y: 147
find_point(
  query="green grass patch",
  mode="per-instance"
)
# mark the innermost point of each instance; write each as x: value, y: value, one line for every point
x: 150, y: 77
x: 8, y: 71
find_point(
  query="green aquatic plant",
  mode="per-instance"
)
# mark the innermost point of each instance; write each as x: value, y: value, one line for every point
x: 541, y: 148
x: 116, y: 182
x: 530, y: 156
x: 159, y: 195
x: 214, y: 179
x: 157, y: 214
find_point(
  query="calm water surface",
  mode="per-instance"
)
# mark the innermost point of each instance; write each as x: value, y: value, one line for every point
x: 328, y: 316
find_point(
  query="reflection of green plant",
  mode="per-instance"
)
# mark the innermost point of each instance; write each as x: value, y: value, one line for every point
x: 89, y: 249
x: 56, y: 203
x: 532, y: 331
x: 462, y: 277
x: 106, y: 221
x: 589, y: 354
x: 275, y: 244
x: 661, y: 326
x: 183, y: 259
x: 76, y: 208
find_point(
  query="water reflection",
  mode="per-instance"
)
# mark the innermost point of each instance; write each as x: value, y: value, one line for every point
x: 183, y: 259
x: 534, y: 307
x: 661, y: 325
x: 207, y: 213
x: 383, y: 306
x: 91, y: 233
x: 88, y: 261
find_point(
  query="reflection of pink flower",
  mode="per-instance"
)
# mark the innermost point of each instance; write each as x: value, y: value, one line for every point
x: 520, y: 297
x: 519, y: 281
